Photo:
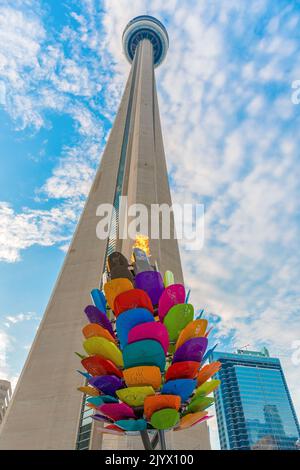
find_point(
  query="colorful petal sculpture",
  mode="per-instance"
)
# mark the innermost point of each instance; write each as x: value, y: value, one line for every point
x: 115, y: 260
x: 207, y: 388
x: 147, y: 352
x: 145, y: 367
x: 160, y: 402
x: 141, y: 261
x: 208, y: 353
x: 111, y: 429
x: 192, y: 350
x: 116, y: 411
x: 165, y: 419
x: 118, y: 266
x: 198, y: 421
x: 96, y: 316
x: 91, y: 391
x: 104, y: 348
x: 99, y: 299
x: 154, y: 330
x: 177, y: 318
x: 130, y: 318
x: 143, y: 375
x: 152, y: 283
x: 182, y: 387
x: 130, y: 299
x: 168, y: 278
x: 194, y: 329
x: 115, y: 287
x: 135, y: 396
x: 84, y: 374
x: 101, y: 418
x: 200, y: 404
x: 206, y: 372
x: 132, y: 424
x: 97, y: 365
x: 93, y: 329
x: 101, y: 399
x: 183, y: 370
x: 191, y: 419
x: 107, y: 384
x: 172, y: 295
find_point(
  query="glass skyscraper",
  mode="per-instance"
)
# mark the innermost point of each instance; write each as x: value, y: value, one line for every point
x: 253, y: 405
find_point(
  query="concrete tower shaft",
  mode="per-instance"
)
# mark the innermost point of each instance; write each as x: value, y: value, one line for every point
x: 46, y: 409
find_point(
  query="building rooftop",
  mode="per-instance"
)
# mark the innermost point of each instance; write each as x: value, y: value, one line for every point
x: 263, y: 353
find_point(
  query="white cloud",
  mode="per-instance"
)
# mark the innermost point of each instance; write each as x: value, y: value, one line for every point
x: 256, y: 105
x: 36, y: 72
x: 4, y: 344
x: 20, y: 38
x: 73, y: 177
x: 6, y: 373
x: 21, y: 317
x: 30, y: 227
x: 5, y: 349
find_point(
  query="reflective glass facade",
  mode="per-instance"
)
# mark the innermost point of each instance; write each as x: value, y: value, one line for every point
x: 253, y: 405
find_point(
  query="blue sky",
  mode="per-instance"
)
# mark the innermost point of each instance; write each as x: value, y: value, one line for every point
x: 231, y: 136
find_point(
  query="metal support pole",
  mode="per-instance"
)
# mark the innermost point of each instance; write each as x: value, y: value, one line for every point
x: 155, y: 440
x: 149, y: 444
x: 146, y: 441
x: 162, y: 440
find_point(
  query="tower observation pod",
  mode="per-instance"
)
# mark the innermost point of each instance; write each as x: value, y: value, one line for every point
x: 146, y: 27
x: 47, y: 411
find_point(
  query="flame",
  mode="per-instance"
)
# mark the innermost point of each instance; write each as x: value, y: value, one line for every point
x: 142, y: 242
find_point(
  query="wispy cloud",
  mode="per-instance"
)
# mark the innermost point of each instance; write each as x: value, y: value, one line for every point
x: 6, y: 371
x: 20, y: 317
x: 30, y: 227
x: 4, y: 343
